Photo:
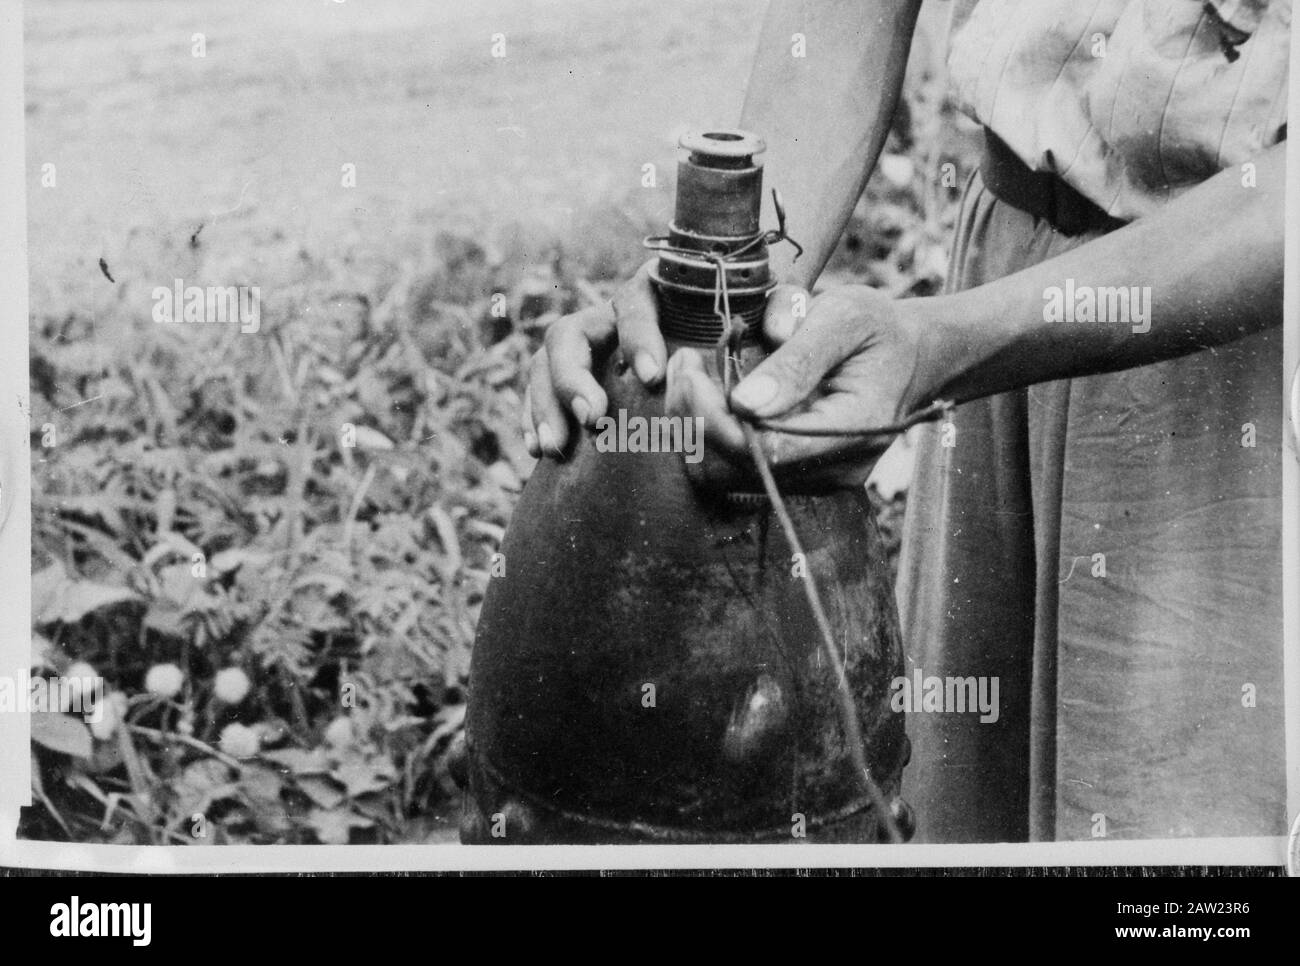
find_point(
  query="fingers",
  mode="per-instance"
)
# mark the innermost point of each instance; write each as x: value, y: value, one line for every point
x: 784, y: 379
x: 526, y: 424
x: 803, y: 462
x: 546, y: 411
x: 568, y: 362
x: 786, y: 445
x: 561, y: 376
x: 787, y: 307
x: 692, y: 392
x: 637, y: 318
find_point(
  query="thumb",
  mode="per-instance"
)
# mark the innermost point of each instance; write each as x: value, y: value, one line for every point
x: 794, y: 371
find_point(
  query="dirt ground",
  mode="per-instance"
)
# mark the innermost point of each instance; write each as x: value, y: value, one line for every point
x: 250, y: 140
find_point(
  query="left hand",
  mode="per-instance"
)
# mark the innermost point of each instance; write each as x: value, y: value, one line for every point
x: 854, y: 363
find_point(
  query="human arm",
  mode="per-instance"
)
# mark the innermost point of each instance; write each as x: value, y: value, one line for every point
x: 825, y: 117
x: 1212, y: 260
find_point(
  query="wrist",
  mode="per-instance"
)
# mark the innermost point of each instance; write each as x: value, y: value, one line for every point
x: 935, y: 371
x: 959, y: 347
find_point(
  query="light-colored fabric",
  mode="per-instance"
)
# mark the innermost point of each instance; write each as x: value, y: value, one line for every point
x: 1129, y: 101
x: 1109, y: 549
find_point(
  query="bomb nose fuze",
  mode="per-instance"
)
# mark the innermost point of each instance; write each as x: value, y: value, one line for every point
x: 647, y: 667
x: 714, y: 244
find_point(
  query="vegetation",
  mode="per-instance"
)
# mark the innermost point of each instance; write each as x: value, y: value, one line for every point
x: 273, y: 547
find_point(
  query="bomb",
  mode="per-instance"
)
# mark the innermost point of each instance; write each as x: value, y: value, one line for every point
x: 648, y: 668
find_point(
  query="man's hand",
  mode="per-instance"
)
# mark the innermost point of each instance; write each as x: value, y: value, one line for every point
x: 852, y: 364
x: 560, y: 379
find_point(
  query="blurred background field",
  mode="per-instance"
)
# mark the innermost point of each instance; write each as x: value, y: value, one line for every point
x: 273, y: 545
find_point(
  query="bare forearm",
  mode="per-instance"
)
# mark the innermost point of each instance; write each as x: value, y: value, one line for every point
x: 825, y: 115
x: 1205, y: 270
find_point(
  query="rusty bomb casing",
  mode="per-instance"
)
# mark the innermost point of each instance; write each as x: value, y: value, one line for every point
x: 647, y: 669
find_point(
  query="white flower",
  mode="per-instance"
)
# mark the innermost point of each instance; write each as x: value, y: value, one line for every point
x: 232, y: 685
x: 897, y: 169
x: 104, y: 723
x: 164, y: 680
x: 239, y: 741
x: 339, y: 734
x: 73, y: 694
x: 81, y: 670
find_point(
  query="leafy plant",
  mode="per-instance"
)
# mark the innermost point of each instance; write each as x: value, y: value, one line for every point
x: 296, y: 526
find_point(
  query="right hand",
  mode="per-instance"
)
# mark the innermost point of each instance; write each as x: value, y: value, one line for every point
x: 560, y: 380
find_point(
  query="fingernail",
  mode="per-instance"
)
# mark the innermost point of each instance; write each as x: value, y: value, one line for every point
x: 755, y: 392
x: 582, y: 411
x: 546, y: 439
x: 647, y: 370
x: 530, y: 441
